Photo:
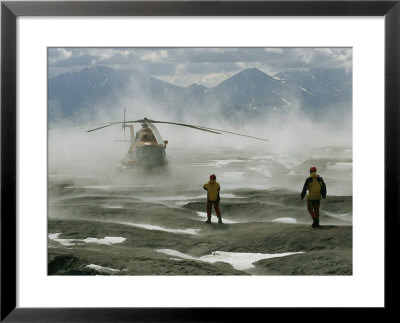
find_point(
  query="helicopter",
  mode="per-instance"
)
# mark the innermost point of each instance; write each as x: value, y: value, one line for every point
x: 147, y: 147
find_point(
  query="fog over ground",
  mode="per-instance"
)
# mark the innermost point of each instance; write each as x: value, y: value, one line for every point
x: 293, y: 141
x: 289, y: 133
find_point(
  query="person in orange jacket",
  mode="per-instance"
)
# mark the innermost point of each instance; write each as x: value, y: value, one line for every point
x: 212, y: 187
x: 316, y: 188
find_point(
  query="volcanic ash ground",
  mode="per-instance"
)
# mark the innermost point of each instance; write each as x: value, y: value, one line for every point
x: 151, y: 221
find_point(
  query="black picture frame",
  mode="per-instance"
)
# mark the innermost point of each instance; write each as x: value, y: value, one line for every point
x: 10, y: 10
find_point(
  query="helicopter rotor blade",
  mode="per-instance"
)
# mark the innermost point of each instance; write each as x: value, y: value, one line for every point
x: 77, y: 127
x: 107, y: 125
x: 238, y: 134
x: 131, y: 121
x: 212, y: 130
x: 187, y: 125
x: 153, y: 121
x: 218, y: 131
x: 114, y: 123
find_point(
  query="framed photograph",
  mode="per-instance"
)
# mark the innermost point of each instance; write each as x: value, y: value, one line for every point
x: 167, y: 161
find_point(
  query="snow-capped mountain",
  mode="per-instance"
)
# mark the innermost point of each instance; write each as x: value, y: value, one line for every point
x: 321, y: 88
x: 72, y: 93
x: 248, y: 93
x: 253, y: 91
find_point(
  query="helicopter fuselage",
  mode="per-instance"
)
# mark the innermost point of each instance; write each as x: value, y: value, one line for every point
x: 145, y: 149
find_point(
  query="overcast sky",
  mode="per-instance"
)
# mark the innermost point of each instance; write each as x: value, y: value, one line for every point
x: 206, y: 66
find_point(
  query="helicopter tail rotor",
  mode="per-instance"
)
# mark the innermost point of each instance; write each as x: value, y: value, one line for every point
x: 124, y: 124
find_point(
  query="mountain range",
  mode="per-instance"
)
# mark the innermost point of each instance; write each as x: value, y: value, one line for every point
x: 319, y: 93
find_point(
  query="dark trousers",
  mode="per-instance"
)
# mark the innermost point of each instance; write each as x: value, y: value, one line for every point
x: 313, y: 208
x: 216, y: 207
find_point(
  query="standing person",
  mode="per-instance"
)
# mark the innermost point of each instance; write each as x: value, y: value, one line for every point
x: 212, y: 187
x: 316, y: 188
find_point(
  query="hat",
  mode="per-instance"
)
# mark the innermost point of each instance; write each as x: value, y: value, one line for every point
x: 313, y: 169
x: 213, y: 177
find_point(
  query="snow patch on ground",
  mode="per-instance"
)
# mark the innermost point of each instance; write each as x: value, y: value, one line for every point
x: 285, y: 220
x: 103, y: 270
x: 232, y: 176
x: 221, y: 163
x: 238, y: 260
x: 341, y: 166
x: 158, y: 228
x: 263, y: 170
x: 170, y: 198
x: 287, y: 161
x: 72, y: 242
x: 112, y: 206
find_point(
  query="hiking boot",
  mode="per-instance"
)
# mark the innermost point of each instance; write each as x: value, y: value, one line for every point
x: 219, y: 220
x: 208, y: 220
x: 315, y: 224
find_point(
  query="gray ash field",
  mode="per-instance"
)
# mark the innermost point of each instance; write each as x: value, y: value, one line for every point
x: 151, y: 221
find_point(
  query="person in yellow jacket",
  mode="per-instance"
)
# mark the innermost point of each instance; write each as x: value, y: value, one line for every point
x: 316, y: 188
x: 212, y: 187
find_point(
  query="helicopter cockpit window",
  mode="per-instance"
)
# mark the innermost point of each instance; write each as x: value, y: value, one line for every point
x: 147, y: 136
